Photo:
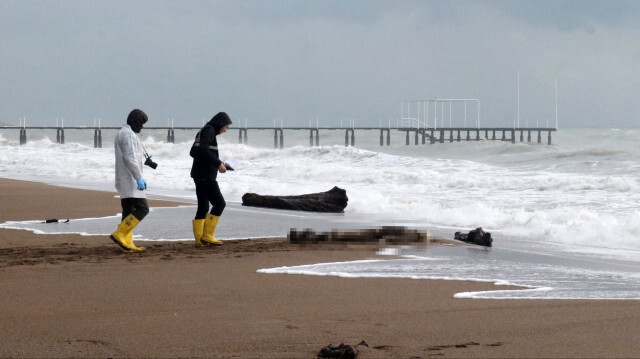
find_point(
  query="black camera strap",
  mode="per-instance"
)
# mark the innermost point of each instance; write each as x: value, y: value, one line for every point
x: 146, y: 155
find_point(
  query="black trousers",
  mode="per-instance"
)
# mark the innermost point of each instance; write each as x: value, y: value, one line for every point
x: 208, y: 191
x: 136, y: 206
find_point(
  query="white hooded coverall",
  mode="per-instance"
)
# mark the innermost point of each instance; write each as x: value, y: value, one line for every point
x: 129, y: 163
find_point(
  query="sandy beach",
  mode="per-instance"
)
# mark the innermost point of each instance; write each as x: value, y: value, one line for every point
x: 80, y: 296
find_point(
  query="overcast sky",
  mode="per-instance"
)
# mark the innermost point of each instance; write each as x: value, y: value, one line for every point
x: 318, y: 61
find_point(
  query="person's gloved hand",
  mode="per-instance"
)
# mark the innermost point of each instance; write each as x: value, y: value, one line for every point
x: 142, y: 185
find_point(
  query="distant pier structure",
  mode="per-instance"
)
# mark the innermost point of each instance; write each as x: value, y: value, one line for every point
x: 423, y: 121
x: 433, y: 120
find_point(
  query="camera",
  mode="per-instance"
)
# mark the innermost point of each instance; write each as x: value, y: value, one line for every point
x: 150, y: 163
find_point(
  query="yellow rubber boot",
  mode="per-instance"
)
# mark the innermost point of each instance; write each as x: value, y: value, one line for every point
x: 132, y: 247
x: 198, y: 230
x: 210, y: 224
x: 123, y: 236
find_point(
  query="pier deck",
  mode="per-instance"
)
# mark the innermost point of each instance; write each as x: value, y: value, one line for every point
x: 420, y: 135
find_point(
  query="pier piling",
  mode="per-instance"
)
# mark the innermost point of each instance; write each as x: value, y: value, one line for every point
x: 60, y: 136
x: 275, y: 138
x: 353, y: 137
x: 242, y: 135
x: 97, y: 138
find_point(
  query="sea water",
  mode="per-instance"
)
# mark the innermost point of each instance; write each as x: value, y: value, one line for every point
x: 563, y: 217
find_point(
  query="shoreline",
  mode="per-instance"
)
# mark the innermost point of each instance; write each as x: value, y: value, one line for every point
x: 79, y: 296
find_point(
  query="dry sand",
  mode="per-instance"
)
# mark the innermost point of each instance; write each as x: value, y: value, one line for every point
x: 78, y: 296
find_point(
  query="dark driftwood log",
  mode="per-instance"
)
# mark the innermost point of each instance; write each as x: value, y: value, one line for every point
x: 475, y: 236
x: 386, y: 235
x: 332, y: 201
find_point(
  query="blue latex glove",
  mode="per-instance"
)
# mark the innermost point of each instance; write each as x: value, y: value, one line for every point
x: 142, y: 185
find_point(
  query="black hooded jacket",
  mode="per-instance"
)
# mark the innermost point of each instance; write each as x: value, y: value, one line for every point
x: 136, y: 119
x: 206, y: 159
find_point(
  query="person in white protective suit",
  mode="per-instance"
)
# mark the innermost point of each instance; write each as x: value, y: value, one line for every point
x: 130, y: 185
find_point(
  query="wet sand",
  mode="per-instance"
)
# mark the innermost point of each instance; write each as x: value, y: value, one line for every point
x: 80, y: 296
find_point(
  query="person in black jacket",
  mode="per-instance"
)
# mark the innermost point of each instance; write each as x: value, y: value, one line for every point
x: 204, y: 171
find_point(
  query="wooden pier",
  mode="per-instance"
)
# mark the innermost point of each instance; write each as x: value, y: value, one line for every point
x: 419, y: 135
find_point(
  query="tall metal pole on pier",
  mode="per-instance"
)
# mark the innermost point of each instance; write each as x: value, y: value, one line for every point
x: 518, y: 98
x: 556, y: 103
x: 465, y: 114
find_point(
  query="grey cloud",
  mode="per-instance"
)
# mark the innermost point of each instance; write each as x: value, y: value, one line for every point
x: 298, y: 61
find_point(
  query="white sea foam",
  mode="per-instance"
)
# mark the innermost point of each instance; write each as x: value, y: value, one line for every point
x: 579, y: 195
x: 540, y: 276
x: 516, y: 189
